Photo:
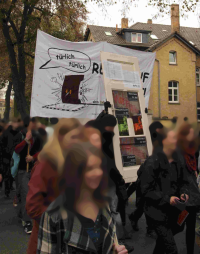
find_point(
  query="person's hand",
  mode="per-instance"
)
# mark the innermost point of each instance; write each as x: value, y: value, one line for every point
x: 196, y: 174
x: 29, y: 158
x: 173, y: 200
x: 184, y: 197
x: 28, y: 135
x: 120, y: 249
x: 1, y: 178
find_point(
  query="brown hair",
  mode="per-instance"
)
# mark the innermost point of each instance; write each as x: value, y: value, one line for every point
x: 52, y: 151
x: 183, y: 132
x: 72, y: 174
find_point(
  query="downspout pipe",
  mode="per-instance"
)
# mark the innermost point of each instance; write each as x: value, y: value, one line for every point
x: 159, y: 106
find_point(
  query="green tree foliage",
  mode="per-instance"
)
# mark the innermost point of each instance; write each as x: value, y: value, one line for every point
x: 19, y: 21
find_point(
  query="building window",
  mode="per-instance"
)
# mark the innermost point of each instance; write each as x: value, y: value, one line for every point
x: 197, y: 76
x: 173, y: 92
x: 198, y: 111
x: 136, y: 37
x: 172, y: 57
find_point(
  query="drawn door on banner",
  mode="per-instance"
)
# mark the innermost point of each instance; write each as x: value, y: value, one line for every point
x: 123, y: 88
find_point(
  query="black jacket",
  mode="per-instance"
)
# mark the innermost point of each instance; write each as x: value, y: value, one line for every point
x: 159, y: 182
x: 7, y: 145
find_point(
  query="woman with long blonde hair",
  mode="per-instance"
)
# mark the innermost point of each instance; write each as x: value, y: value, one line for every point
x: 43, y: 185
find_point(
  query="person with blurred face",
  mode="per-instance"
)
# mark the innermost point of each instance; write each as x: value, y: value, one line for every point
x: 188, y: 145
x: 106, y: 124
x: 8, y: 145
x: 82, y: 209
x: 163, y: 183
x: 28, y: 145
x: 44, y: 176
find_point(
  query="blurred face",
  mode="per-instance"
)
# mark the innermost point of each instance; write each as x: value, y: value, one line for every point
x: 15, y: 125
x: 170, y: 141
x: 109, y: 128
x: 95, y: 140
x: 93, y: 173
x: 33, y: 126
x: 190, y: 137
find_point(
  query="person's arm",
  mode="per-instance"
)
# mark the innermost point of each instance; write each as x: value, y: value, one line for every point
x: 47, y: 239
x: 21, y: 145
x: 148, y: 186
x: 38, y: 190
x: 35, y: 156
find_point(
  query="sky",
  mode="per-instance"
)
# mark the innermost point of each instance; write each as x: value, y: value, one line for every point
x: 138, y: 13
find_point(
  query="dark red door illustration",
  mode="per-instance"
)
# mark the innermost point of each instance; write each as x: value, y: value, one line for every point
x: 70, y: 89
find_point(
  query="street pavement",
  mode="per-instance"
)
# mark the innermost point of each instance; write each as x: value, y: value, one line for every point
x: 13, y: 240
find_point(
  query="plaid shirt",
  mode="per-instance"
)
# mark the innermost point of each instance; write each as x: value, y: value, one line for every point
x: 61, y: 232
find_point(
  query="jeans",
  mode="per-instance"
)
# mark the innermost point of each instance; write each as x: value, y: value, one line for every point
x: 22, y: 191
x: 7, y: 178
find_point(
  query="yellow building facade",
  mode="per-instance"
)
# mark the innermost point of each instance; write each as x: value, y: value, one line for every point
x: 184, y: 75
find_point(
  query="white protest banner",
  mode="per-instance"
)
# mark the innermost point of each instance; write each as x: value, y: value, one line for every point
x: 68, y: 78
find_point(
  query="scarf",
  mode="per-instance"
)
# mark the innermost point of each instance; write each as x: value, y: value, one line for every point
x: 190, y: 159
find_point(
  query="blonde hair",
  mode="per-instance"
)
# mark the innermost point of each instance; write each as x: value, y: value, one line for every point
x: 53, y: 150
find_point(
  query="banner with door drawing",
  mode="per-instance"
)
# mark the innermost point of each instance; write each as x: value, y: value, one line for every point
x: 68, y: 78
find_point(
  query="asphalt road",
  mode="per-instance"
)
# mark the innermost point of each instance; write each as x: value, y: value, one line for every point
x: 13, y: 240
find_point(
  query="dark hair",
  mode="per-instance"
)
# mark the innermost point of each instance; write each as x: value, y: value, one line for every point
x: 33, y: 120
x: 42, y: 132
x: 72, y: 174
x: 153, y: 131
x: 109, y: 120
x: 53, y: 120
x: 26, y: 121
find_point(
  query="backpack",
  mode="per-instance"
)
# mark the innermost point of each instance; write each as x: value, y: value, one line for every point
x: 139, y: 196
x: 15, y: 162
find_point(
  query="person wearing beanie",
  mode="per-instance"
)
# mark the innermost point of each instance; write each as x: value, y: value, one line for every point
x: 156, y: 137
x: 163, y: 183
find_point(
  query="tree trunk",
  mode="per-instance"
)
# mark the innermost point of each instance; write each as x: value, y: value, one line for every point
x: 7, y: 101
x: 18, y: 76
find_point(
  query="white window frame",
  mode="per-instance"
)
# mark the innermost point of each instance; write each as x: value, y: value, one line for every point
x: 197, y: 72
x: 175, y: 59
x: 173, y: 88
x: 136, y: 38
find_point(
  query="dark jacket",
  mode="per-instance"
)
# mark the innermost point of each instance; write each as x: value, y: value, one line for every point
x: 8, y: 140
x: 22, y: 148
x: 159, y: 182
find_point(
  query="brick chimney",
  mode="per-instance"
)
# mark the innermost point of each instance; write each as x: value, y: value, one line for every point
x: 175, y: 20
x: 116, y: 28
x: 149, y: 21
x: 124, y: 23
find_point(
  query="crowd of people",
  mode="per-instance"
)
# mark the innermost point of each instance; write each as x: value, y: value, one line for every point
x: 71, y: 197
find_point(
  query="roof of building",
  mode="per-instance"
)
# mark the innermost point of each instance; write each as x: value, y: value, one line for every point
x: 162, y: 32
x: 98, y: 33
